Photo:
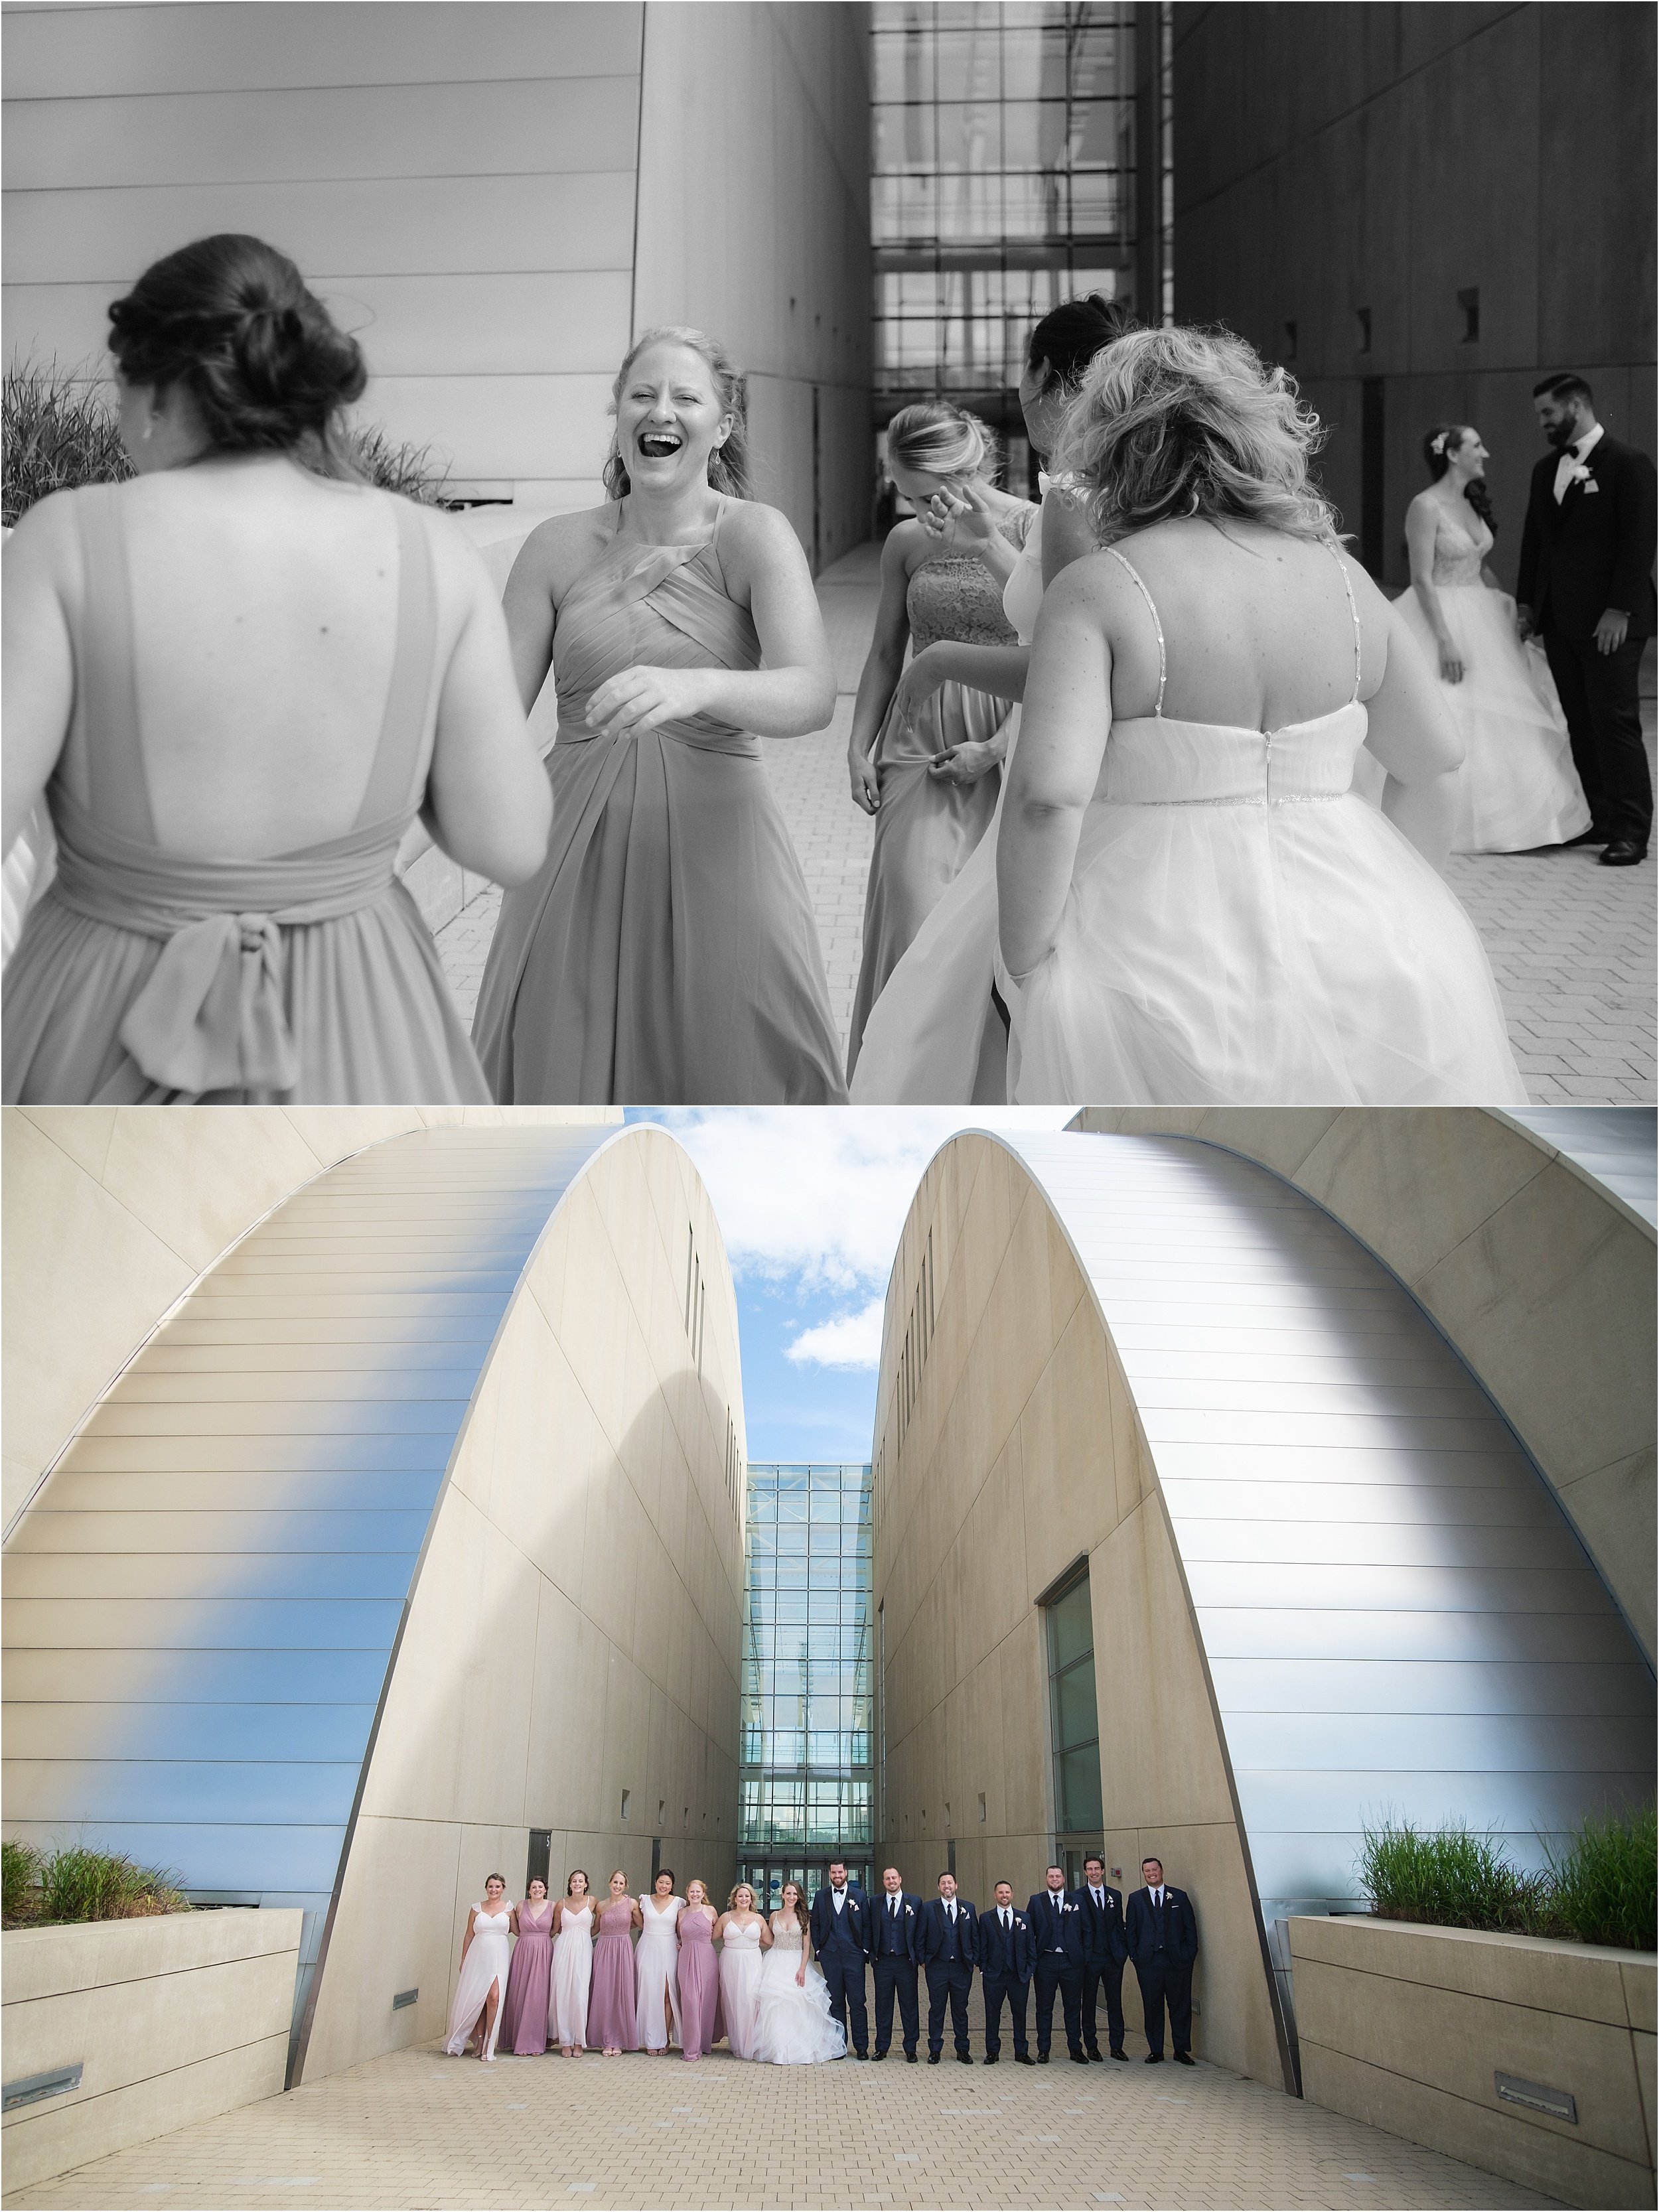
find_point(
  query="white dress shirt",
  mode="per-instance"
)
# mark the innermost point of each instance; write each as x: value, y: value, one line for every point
x: 1571, y: 457
x: 838, y: 1897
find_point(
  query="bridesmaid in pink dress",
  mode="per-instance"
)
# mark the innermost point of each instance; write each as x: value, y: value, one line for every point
x: 530, y: 1978
x: 701, y: 2024
x: 611, y: 2022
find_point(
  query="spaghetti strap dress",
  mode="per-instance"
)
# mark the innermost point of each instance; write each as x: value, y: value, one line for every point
x: 1242, y: 929
x: 666, y: 953
x: 145, y: 977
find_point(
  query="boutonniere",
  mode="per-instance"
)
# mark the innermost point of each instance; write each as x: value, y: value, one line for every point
x: 909, y: 1912
x: 1581, y: 475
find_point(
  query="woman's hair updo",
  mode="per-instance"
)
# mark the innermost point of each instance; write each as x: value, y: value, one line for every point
x: 1186, y: 422
x: 729, y: 467
x: 936, y: 439
x: 230, y: 320
x: 1070, y: 336
x: 1438, y: 447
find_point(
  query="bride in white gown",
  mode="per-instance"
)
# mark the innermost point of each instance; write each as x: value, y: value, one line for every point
x: 794, y: 2028
x: 1517, y: 787
x: 1194, y: 907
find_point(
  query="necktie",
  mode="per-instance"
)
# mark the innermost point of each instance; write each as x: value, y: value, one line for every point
x: 951, y: 1909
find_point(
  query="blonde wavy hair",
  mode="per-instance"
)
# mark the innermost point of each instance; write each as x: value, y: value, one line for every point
x: 729, y: 468
x: 937, y: 439
x: 1191, y: 421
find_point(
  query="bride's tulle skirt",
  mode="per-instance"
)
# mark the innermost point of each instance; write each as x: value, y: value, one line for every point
x: 794, y: 2028
x: 1517, y: 787
x: 1285, y: 955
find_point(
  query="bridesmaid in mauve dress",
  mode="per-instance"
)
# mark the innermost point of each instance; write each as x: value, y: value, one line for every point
x: 611, y: 2022
x: 665, y: 953
x: 573, y: 1964
x: 236, y: 679
x: 701, y: 2024
x: 744, y: 1935
x: 530, y: 1978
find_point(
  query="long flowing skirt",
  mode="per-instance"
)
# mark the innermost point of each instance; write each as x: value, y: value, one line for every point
x: 529, y: 1987
x: 666, y: 953
x: 740, y: 1980
x: 486, y: 1962
x: 925, y: 832
x: 702, y: 2022
x: 1247, y: 955
x: 572, y: 1975
x: 1517, y: 787
x: 793, y: 2024
x: 656, y: 1966
x: 611, y: 2022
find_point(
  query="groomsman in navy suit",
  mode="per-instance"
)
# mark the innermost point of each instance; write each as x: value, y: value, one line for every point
x: 893, y: 1959
x: 1007, y: 1957
x: 1057, y: 1930
x: 840, y: 1922
x: 1163, y: 1937
x: 947, y: 1945
x: 1105, y: 1949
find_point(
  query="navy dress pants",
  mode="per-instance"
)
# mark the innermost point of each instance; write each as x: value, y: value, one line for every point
x: 950, y: 1979
x: 896, y: 1977
x: 998, y: 1990
x: 1600, y: 697
x: 844, y: 1976
x: 1058, y: 1974
x: 1107, y: 1977
x: 1166, y: 1981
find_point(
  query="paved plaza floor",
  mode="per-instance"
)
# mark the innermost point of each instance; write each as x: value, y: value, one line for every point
x: 417, y: 2129
x: 1572, y: 944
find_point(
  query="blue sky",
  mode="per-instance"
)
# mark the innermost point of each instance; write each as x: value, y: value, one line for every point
x: 811, y: 1200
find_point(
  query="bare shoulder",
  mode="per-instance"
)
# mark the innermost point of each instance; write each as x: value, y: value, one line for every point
x: 46, y: 532
x: 557, y: 550
x: 755, y: 539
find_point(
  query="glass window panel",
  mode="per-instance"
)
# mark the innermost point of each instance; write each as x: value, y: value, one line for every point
x: 967, y: 64
x: 1071, y: 1626
x: 1095, y: 203
x: 1094, y: 132
x: 1033, y: 134
x: 1079, y: 1788
x: 826, y: 1505
x: 1075, y: 1720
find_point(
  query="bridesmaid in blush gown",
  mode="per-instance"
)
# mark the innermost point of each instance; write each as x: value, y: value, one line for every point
x: 665, y: 953
x: 485, y: 1947
x: 656, y: 1961
x: 236, y: 679
x: 701, y: 2024
x: 573, y: 1964
x: 530, y: 1978
x: 611, y: 2024
x: 744, y: 1935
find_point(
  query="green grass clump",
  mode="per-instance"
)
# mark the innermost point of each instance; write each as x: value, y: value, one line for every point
x: 1607, y: 1879
x: 51, y: 1889
x: 410, y: 470
x: 20, y: 1879
x: 58, y: 430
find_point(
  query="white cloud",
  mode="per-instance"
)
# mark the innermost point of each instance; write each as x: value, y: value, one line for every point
x: 851, y: 1340
x: 820, y: 1194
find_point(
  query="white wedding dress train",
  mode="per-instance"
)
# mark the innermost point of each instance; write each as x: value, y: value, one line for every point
x: 793, y: 2027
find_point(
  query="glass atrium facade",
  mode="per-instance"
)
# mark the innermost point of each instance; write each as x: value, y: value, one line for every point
x: 1012, y: 152
x: 808, y: 1774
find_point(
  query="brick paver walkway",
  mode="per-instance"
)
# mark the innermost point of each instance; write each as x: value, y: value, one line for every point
x: 1572, y: 943
x: 418, y: 2130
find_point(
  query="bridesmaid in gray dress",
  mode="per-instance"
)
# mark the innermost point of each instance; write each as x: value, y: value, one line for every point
x: 665, y: 953
x: 925, y: 750
x: 236, y: 678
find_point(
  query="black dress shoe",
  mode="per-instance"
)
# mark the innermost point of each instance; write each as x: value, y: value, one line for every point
x: 1118, y: 2053
x: 1185, y: 2058
x: 932, y: 2058
x: 877, y: 2056
x: 1094, y: 2054
x: 909, y: 2057
x: 964, y: 2058
x: 1153, y: 2058
x: 990, y: 2057
x: 1042, y: 2059
x: 1077, y: 2058
x: 860, y: 2054
x: 1024, y: 2058
x: 1624, y: 852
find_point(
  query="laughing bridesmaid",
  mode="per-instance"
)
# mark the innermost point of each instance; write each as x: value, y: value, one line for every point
x: 701, y: 2024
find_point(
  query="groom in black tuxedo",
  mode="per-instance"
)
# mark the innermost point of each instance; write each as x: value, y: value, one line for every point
x: 840, y: 1922
x: 1586, y: 584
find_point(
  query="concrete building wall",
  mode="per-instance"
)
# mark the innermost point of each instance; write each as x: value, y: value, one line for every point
x: 110, y: 1217
x: 1331, y: 159
x: 459, y: 183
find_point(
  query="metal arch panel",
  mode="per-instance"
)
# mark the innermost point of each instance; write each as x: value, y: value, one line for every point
x: 1394, y: 1612
x: 205, y: 1599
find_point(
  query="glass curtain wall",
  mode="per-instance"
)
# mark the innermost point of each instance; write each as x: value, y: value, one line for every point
x: 808, y: 1768
x: 1004, y: 145
x: 1076, y: 1725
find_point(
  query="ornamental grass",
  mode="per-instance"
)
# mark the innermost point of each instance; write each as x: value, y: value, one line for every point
x: 72, y: 1884
x: 1599, y: 1888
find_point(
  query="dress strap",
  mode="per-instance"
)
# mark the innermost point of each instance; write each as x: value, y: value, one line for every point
x: 1141, y: 585
x: 117, y: 786
x: 402, y: 724
x: 1341, y: 570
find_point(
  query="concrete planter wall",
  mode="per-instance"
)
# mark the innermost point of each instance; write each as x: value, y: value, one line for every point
x: 171, y: 2020
x: 1409, y: 2027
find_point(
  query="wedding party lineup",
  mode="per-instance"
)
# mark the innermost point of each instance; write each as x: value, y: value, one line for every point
x: 829, y: 1143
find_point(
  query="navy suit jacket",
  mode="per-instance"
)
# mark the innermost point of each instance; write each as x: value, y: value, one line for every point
x: 909, y: 1916
x: 1180, y: 1929
x: 855, y: 1913
x: 1013, y: 1954
x: 1104, y: 1940
x: 1595, y: 550
x: 1072, y: 1936
x: 931, y: 1926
